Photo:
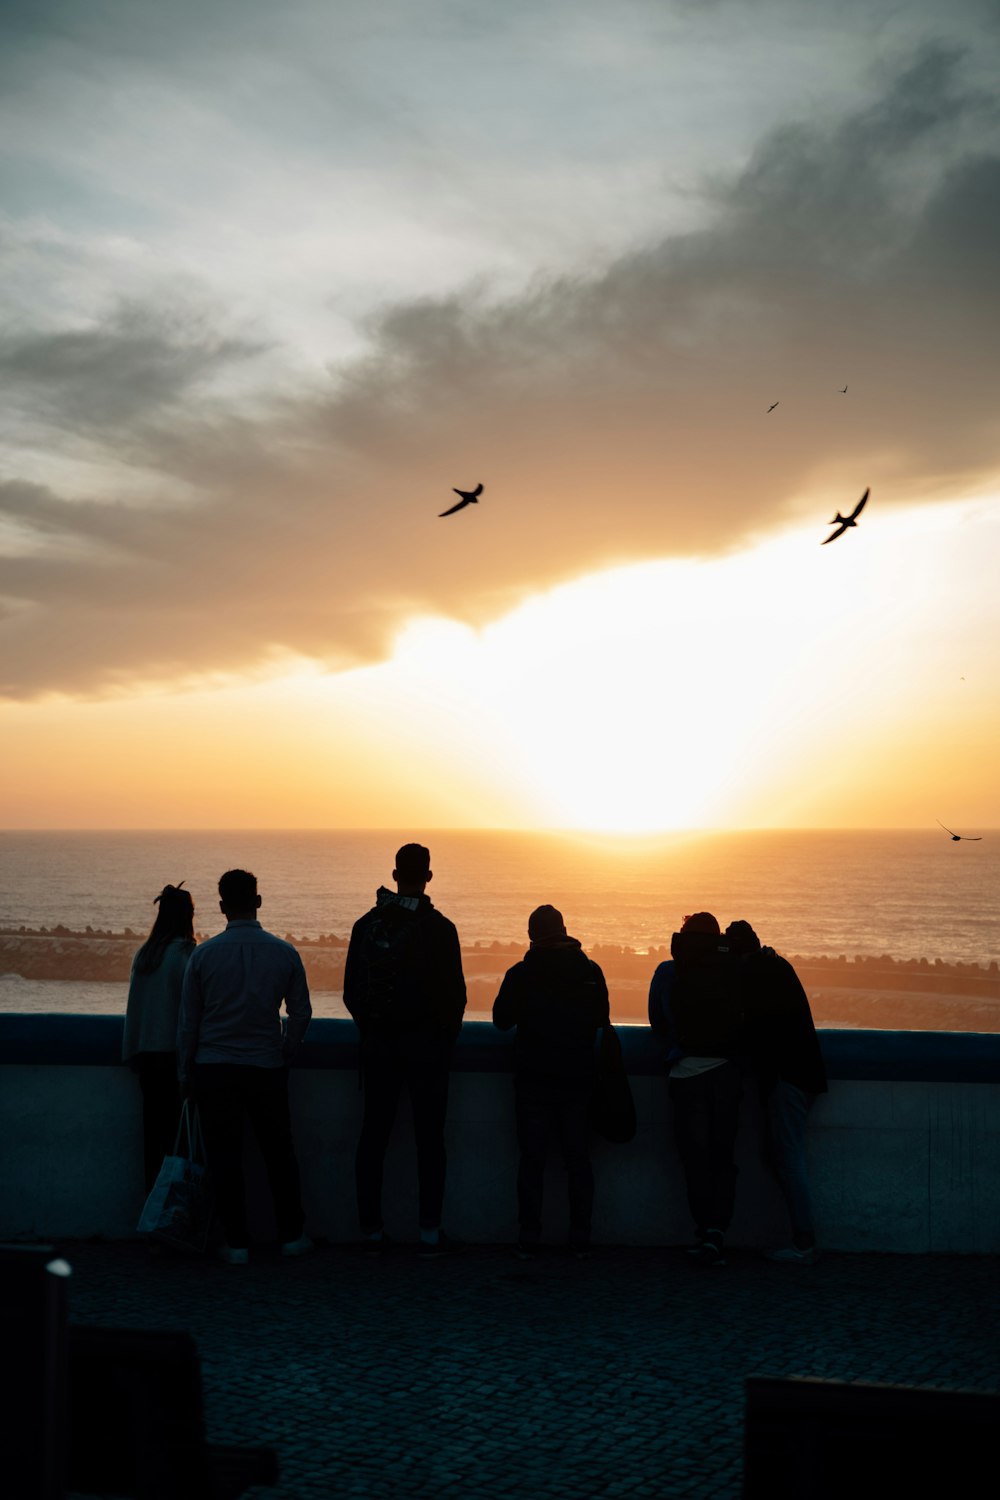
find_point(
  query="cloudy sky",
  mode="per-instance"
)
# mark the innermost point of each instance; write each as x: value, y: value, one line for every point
x: 274, y: 279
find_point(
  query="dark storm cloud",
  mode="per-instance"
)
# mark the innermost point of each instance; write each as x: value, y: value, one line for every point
x: 611, y: 418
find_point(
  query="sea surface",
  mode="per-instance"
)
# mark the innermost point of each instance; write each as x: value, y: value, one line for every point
x: 910, y: 894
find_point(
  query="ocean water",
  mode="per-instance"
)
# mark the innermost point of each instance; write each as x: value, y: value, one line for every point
x: 907, y: 894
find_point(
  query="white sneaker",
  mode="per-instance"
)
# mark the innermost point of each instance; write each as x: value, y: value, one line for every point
x: 233, y: 1256
x: 791, y: 1255
x: 301, y: 1246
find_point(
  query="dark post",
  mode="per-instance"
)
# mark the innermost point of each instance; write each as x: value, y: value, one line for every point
x: 34, y: 1339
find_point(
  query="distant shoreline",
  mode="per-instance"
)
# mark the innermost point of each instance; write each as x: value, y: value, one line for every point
x: 881, y: 992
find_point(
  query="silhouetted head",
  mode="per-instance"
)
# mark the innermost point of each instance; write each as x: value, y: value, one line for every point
x: 546, y: 925
x: 174, y: 919
x: 238, y: 896
x: 413, y: 869
x: 742, y: 938
x: 701, y: 921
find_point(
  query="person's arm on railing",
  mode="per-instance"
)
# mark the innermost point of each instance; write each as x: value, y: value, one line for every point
x: 298, y: 1008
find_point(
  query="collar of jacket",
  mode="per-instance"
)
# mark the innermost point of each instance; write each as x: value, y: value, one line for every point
x: 556, y: 945
x: 385, y: 897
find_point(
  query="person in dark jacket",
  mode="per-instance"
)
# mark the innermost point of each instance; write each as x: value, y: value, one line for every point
x: 785, y: 1053
x: 695, y: 1004
x: 558, y: 999
x: 404, y: 987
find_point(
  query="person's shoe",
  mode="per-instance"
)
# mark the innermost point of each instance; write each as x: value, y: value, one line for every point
x: 302, y: 1246
x: 375, y: 1245
x: 710, y: 1251
x: 527, y: 1249
x: 443, y: 1245
x: 233, y: 1255
x: 579, y: 1251
x: 792, y: 1255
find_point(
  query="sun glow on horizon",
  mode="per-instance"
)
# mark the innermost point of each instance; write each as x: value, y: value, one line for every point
x: 673, y: 695
x: 785, y: 685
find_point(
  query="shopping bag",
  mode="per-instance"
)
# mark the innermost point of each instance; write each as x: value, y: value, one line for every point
x: 178, y: 1211
x: 612, y: 1108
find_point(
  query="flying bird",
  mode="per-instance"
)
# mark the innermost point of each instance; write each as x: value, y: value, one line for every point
x: 842, y: 389
x: 771, y: 407
x: 469, y: 497
x: 969, y: 838
x: 842, y: 522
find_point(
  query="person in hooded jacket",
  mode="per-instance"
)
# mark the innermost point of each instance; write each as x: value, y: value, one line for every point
x: 557, y: 998
x: 404, y: 987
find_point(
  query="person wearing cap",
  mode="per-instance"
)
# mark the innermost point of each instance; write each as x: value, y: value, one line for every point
x: 785, y: 1054
x: 557, y: 998
x: 695, y: 1004
x: 404, y: 987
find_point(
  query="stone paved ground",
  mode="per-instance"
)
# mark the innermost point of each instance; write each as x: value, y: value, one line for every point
x: 481, y: 1376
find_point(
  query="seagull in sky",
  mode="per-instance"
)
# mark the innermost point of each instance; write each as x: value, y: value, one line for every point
x: 469, y: 497
x: 969, y: 838
x: 771, y: 407
x: 842, y: 522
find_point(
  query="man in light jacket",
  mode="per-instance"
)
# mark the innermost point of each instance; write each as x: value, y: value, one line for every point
x: 233, y: 1054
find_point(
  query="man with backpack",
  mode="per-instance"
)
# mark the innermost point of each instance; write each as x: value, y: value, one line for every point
x: 404, y: 987
x: 696, y: 1004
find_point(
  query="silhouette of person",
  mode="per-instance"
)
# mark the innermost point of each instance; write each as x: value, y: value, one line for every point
x: 149, y: 1044
x: 404, y: 987
x: 695, y: 1003
x: 557, y: 998
x: 785, y: 1052
x: 233, y: 1055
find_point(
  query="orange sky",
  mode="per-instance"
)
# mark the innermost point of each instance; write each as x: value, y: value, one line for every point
x: 789, y: 685
x: 240, y: 388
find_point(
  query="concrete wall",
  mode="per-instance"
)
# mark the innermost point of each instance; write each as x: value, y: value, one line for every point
x: 904, y: 1150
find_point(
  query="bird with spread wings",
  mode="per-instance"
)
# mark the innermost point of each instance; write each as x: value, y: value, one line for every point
x: 842, y: 522
x: 968, y: 837
x: 469, y: 497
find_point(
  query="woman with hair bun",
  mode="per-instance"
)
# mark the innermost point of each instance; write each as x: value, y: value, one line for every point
x: 150, y: 1043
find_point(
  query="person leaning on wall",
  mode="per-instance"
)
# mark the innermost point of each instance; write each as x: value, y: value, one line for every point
x: 785, y: 1055
x: 696, y: 1005
x: 149, y: 1045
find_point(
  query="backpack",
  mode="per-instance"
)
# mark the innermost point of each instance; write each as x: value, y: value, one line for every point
x: 706, y: 998
x: 396, y: 984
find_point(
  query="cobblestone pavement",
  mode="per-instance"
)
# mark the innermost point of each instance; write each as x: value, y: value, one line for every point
x: 482, y: 1376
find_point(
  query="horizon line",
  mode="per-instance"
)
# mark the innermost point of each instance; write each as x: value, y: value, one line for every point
x: 541, y: 830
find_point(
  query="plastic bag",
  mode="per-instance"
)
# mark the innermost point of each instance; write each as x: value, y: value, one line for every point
x: 179, y: 1209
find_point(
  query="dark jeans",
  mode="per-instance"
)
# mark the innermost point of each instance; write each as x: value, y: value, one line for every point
x: 421, y: 1060
x: 161, y: 1108
x: 227, y: 1094
x: 706, y: 1117
x: 560, y: 1106
x: 786, y: 1108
